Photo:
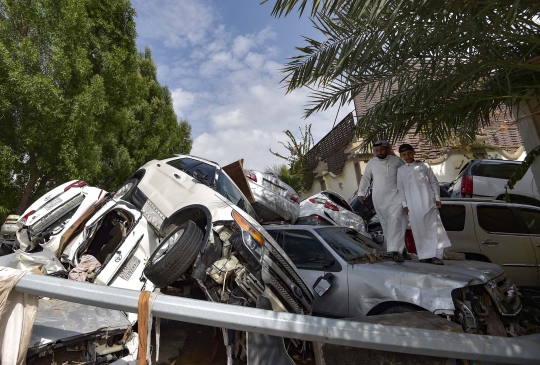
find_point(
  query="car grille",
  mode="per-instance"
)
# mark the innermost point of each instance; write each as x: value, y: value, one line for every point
x: 286, y: 267
x: 285, y: 294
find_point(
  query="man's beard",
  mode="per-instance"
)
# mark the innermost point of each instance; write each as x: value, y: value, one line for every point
x: 382, y: 158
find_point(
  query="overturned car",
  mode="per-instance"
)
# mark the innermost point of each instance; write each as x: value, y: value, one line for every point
x: 211, y: 234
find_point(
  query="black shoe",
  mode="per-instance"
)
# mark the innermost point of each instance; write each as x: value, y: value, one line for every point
x: 406, y: 255
x: 397, y: 257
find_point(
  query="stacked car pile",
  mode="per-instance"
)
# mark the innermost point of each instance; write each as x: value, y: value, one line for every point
x: 181, y: 219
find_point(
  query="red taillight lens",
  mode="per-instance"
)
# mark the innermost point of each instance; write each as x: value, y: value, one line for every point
x: 331, y: 206
x: 294, y: 198
x: 466, y: 185
x: 251, y: 176
x: 318, y: 217
x: 76, y: 184
x: 313, y: 200
x: 25, y: 217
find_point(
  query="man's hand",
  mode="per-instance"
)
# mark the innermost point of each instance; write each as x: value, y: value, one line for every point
x: 406, y: 209
x: 361, y: 198
x: 438, y: 204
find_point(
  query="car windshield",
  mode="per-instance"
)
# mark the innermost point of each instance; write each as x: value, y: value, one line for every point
x: 346, y: 242
x: 194, y: 167
x: 226, y: 187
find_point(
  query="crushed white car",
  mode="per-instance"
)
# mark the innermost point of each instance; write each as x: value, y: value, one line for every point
x: 205, y: 220
x: 328, y: 208
x: 45, y: 221
x: 274, y: 200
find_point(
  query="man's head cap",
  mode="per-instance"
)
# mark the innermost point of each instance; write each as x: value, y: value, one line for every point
x: 380, y: 143
x: 405, y: 147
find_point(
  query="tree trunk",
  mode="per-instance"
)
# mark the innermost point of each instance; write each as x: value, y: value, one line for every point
x: 30, y: 185
x: 528, y: 124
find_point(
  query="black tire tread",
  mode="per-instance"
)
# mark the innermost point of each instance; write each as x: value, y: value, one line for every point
x: 179, y: 258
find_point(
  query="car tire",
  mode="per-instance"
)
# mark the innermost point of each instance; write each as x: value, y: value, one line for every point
x: 5, y: 249
x: 175, y: 255
x: 401, y: 308
x: 126, y: 190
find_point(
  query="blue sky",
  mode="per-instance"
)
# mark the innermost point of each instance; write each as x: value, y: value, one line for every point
x: 221, y: 61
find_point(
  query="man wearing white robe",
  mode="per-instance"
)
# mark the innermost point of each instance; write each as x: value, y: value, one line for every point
x: 420, y: 196
x: 386, y: 200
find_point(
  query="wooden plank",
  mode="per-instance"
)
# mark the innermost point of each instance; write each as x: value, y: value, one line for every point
x: 236, y: 172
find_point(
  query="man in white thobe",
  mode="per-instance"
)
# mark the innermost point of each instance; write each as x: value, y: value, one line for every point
x: 421, y: 199
x: 386, y: 200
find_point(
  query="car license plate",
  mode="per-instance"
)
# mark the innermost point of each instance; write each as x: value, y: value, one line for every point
x: 53, y: 203
x: 130, y: 268
x: 275, y: 188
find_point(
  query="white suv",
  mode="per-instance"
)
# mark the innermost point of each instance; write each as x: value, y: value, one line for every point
x: 210, y: 231
x: 488, y: 178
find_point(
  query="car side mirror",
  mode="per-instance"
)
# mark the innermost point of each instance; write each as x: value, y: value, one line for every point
x: 323, y: 284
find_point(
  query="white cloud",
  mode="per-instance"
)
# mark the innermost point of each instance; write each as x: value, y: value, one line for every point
x: 181, y: 100
x: 228, y: 86
x: 174, y: 24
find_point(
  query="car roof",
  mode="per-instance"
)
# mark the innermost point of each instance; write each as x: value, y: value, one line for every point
x: 199, y: 158
x: 485, y: 201
x: 497, y: 160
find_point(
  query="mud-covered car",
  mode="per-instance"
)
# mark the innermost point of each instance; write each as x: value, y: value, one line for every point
x: 45, y: 221
x: 211, y: 234
x: 352, y: 279
x: 9, y: 228
x: 274, y: 200
x: 330, y: 208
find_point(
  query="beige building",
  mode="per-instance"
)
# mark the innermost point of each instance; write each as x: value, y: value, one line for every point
x: 339, y: 163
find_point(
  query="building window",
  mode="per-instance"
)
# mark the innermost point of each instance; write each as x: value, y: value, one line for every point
x: 358, y: 172
x: 323, y: 185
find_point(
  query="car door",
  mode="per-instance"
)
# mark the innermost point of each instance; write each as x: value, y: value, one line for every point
x: 314, y: 260
x: 458, y: 221
x: 178, y: 176
x: 531, y: 217
x: 503, y: 238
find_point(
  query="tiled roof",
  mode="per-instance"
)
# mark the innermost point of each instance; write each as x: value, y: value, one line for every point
x: 502, y: 132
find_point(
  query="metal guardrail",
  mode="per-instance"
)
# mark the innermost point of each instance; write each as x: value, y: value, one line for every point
x: 522, y: 350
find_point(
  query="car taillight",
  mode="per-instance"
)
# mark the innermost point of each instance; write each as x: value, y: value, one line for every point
x: 76, y: 184
x: 251, y: 176
x: 331, y: 206
x: 466, y: 185
x: 313, y: 200
x: 25, y: 217
x: 294, y: 198
x: 318, y: 217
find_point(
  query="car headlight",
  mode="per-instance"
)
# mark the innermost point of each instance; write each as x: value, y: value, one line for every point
x: 252, y: 238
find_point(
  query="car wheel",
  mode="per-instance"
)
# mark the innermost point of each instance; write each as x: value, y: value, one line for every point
x: 401, y: 308
x: 5, y: 249
x: 175, y: 255
x: 125, y: 191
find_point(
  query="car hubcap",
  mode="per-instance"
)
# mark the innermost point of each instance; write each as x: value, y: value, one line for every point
x: 164, y: 248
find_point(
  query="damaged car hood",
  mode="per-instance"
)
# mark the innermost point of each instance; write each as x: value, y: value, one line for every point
x: 59, y: 322
x: 428, y: 286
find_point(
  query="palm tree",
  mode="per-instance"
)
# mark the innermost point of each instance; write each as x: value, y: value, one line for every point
x: 442, y: 67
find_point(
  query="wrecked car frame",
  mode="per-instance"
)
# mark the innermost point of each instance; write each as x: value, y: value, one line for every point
x: 354, y: 280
